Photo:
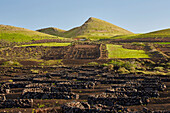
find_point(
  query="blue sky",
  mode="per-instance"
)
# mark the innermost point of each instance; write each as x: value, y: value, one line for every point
x: 138, y: 16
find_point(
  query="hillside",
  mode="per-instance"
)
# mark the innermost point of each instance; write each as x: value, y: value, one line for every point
x: 159, y: 33
x: 92, y: 28
x: 17, y: 34
x: 52, y: 31
x: 165, y: 33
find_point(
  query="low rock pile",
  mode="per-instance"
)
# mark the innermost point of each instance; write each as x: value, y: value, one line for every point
x: 84, y: 107
x: 6, y: 87
x: 39, y: 94
x: 146, y: 110
x: 10, y: 103
x: 111, y: 99
x: 46, y: 91
x: 77, y: 85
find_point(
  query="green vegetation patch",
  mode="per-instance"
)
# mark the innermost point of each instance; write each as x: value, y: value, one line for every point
x: 117, y: 51
x: 52, y: 63
x: 11, y: 63
x: 129, y: 36
x: 48, y: 44
x: 162, y: 42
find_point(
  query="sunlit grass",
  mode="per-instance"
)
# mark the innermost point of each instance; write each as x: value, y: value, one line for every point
x: 48, y: 44
x: 117, y: 51
x: 162, y: 42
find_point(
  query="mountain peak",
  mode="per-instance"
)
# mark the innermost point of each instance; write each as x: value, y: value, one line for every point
x: 92, y: 19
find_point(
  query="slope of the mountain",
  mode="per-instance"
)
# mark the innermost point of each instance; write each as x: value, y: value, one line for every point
x: 156, y: 36
x: 94, y: 27
x: 52, y: 31
x: 17, y: 34
x: 165, y: 33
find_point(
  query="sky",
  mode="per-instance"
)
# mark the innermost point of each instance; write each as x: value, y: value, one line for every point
x: 138, y: 16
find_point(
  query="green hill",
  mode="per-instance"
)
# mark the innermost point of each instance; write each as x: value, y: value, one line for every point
x: 52, y: 31
x: 165, y: 34
x: 17, y: 34
x: 92, y: 28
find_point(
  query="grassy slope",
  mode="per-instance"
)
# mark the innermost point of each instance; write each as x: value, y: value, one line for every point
x: 165, y: 33
x: 93, y: 28
x: 117, y: 51
x: 131, y: 36
x: 161, y: 33
x: 48, y: 44
x: 16, y: 34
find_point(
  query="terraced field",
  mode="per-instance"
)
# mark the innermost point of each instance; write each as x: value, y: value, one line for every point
x: 53, y: 51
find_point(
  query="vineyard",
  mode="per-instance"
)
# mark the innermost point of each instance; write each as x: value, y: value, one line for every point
x: 82, y: 89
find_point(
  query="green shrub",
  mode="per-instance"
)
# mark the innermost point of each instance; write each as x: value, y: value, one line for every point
x: 11, y: 63
x: 104, y: 64
x: 126, y: 64
x: 159, y: 68
x: 138, y: 44
x: 168, y: 73
x: 153, y: 73
x: 10, y: 80
x: 168, y: 65
x: 117, y: 63
x: 132, y: 69
x: 162, y: 64
x: 149, y: 62
x: 110, y: 67
x: 41, y: 106
x: 122, y: 70
x: 98, y: 75
x: 51, y: 63
x: 34, y: 71
x: 93, y: 63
